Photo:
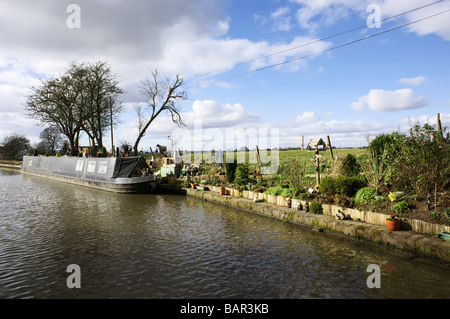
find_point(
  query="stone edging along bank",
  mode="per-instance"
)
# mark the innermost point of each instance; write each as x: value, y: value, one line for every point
x: 407, y: 241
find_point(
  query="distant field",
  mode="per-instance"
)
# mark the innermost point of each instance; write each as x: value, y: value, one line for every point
x: 287, y: 156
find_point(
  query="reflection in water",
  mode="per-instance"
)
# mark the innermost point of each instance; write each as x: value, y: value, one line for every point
x: 154, y: 246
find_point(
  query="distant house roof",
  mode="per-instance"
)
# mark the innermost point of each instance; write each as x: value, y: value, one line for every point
x: 314, y: 144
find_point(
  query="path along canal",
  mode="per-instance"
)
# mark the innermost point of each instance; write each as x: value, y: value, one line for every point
x: 170, y: 246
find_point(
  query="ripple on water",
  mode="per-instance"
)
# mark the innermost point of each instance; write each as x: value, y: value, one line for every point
x: 151, y: 246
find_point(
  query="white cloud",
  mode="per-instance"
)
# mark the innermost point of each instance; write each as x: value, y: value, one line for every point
x: 306, y: 117
x: 406, y: 123
x: 419, y: 80
x: 281, y: 19
x: 181, y: 37
x: 313, y: 14
x: 390, y: 101
x: 211, y: 114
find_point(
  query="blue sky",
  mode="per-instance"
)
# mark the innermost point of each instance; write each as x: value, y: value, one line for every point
x: 378, y: 85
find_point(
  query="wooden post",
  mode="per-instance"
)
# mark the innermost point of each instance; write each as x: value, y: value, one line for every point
x: 318, y: 167
x: 331, y: 149
x: 439, y: 128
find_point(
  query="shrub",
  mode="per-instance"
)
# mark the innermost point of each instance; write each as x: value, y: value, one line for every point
x: 291, y: 172
x: 401, y: 207
x: 365, y: 196
x: 277, y: 190
x: 327, y: 185
x: 316, y: 208
x: 241, y: 176
x: 230, y: 171
x: 349, y: 185
x: 305, y: 196
x: 185, y: 184
x: 346, y: 166
x: 291, y: 192
x: 342, y: 185
x: 421, y: 161
x: 343, y: 200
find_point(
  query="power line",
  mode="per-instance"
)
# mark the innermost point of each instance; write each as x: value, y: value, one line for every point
x: 323, y: 39
x: 346, y: 44
x: 339, y: 46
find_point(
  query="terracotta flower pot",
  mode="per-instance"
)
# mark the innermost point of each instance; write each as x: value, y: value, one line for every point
x: 393, y: 224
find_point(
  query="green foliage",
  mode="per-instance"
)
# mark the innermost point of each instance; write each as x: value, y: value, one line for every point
x: 401, y: 207
x: 292, y: 171
x: 13, y: 147
x: 373, y: 162
x: 343, y: 200
x: 349, y: 185
x: 305, y: 196
x: 342, y: 185
x: 231, y: 171
x: 420, y: 160
x: 346, y: 166
x: 380, y: 143
x: 276, y: 190
x: 291, y: 192
x: 315, y: 208
x: 365, y: 196
x: 326, y: 185
x: 185, y: 184
x: 241, y: 177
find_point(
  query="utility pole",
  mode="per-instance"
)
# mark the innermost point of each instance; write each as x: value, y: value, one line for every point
x: 112, y: 127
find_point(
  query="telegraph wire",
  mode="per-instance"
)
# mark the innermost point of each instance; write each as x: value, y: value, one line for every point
x: 327, y: 38
x: 345, y: 44
x: 337, y: 46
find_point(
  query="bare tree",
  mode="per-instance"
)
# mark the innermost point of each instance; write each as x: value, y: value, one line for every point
x: 54, y: 103
x: 82, y: 99
x: 100, y: 91
x: 161, y: 96
x: 52, y: 138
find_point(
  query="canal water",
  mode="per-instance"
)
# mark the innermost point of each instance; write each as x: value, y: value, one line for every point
x: 170, y: 246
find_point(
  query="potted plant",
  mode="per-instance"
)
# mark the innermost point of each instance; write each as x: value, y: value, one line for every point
x: 393, y: 223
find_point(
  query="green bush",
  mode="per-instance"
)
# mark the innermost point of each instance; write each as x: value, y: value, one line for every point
x: 326, y: 185
x: 349, y: 185
x: 276, y: 190
x: 291, y: 192
x: 349, y: 166
x: 185, y: 184
x: 342, y: 185
x: 401, y: 207
x: 241, y: 176
x: 230, y: 171
x: 365, y: 196
x: 316, y: 208
x: 343, y: 200
x: 305, y: 196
